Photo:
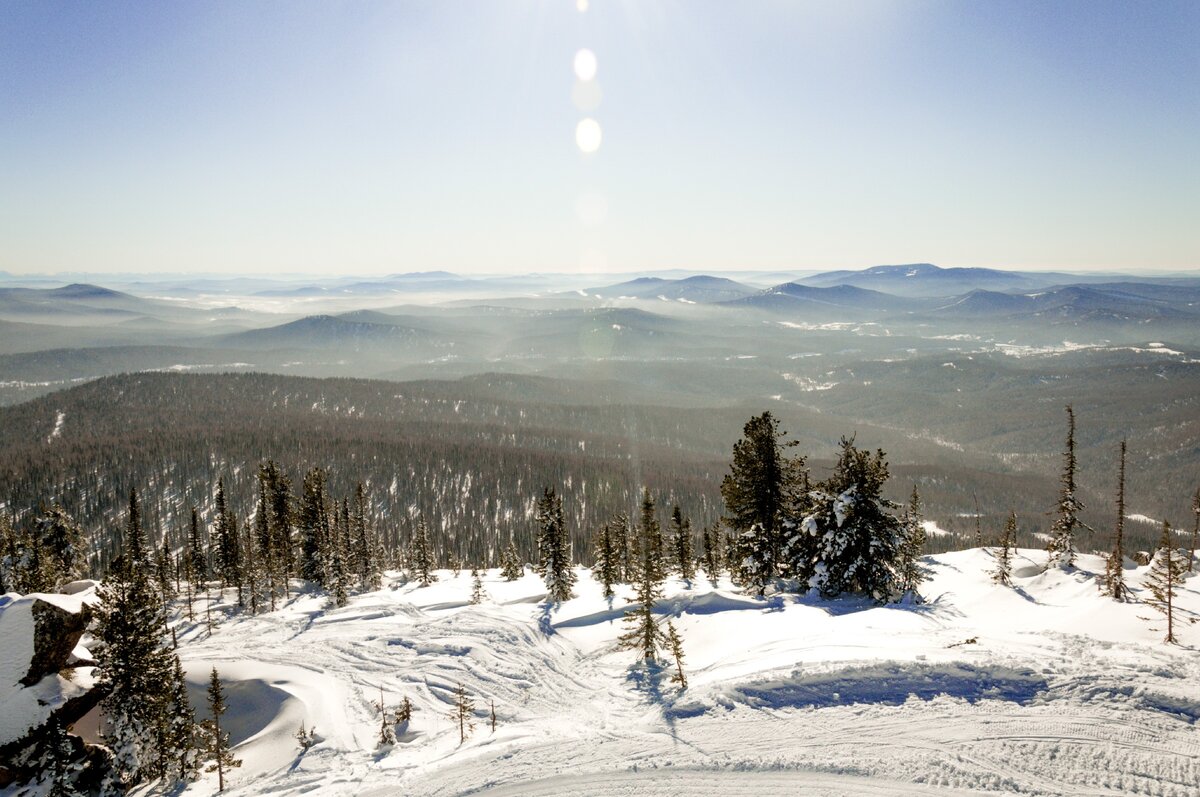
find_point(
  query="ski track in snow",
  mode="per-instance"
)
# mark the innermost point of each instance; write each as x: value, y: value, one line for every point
x: 1062, y: 692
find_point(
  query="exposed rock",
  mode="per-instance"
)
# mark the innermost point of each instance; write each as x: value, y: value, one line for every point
x: 56, y: 633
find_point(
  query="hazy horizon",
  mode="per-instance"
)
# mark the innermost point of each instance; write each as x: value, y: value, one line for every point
x: 597, y: 136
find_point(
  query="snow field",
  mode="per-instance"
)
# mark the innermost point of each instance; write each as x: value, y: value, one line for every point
x: 1048, y: 688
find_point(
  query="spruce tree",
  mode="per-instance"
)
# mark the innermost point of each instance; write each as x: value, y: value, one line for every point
x: 218, y: 751
x: 367, y: 556
x: 1195, y: 528
x: 1003, y: 572
x: 314, y: 528
x: 180, y: 742
x: 510, y: 563
x: 618, y: 528
x: 265, y: 543
x: 1166, y: 573
x: 648, y: 545
x: 420, y: 558
x: 135, y: 537
x: 1062, y: 532
x: 852, y: 529
x: 554, y: 551
x: 463, y: 712
x: 909, y: 571
x: 607, y: 560
x: 676, y: 644
x: 198, y: 555
x: 644, y: 635
x: 61, y: 544
x: 760, y: 492
x: 228, y: 551
x: 477, y: 594
x: 712, y: 552
x: 681, y: 545
x: 9, y: 555
x: 278, y: 490
x: 1113, y: 583
x: 387, y: 722
x: 135, y: 663
x: 61, y: 762
x: 336, y: 573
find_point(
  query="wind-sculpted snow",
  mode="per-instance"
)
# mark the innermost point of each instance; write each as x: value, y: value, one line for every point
x: 1047, y: 689
x: 892, y: 684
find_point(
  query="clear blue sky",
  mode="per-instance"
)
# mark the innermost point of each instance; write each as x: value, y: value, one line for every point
x: 366, y: 137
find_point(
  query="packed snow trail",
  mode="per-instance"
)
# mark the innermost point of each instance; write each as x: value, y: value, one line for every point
x: 1046, y: 688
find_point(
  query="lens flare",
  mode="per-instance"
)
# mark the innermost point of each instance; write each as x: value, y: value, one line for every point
x: 582, y: 5
x: 585, y: 64
x: 588, y: 135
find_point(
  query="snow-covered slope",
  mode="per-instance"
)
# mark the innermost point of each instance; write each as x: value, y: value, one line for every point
x: 1047, y: 688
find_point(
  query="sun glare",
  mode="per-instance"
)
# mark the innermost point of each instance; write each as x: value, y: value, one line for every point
x: 588, y: 135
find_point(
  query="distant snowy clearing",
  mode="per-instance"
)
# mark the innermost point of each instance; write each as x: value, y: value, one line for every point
x: 1046, y: 688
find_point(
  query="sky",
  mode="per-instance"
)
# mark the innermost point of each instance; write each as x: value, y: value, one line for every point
x: 372, y: 138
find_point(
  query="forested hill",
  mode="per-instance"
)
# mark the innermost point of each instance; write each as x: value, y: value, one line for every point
x: 471, y: 456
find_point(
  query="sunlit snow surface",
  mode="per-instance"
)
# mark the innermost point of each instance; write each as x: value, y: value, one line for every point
x: 1048, y: 688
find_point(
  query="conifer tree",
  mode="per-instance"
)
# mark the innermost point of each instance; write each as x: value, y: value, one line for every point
x: 1195, y: 528
x: 1166, y: 573
x: 314, y: 528
x: 198, y: 556
x: 648, y: 545
x: 607, y: 560
x: 492, y: 714
x: 135, y: 663
x: 9, y: 556
x: 278, y: 490
x: 554, y: 550
x: 1003, y: 572
x: 681, y: 545
x: 405, y: 712
x: 618, y: 528
x: 1062, y: 532
x: 676, y: 644
x: 336, y: 573
x: 910, y: 573
x: 477, y: 593
x: 420, y: 558
x: 1113, y: 583
x: 60, y: 762
x: 644, y: 635
x: 463, y: 712
x: 855, y: 535
x: 712, y: 552
x: 265, y: 544
x: 510, y: 563
x: 135, y: 537
x: 60, y: 546
x: 180, y: 743
x: 760, y: 492
x: 218, y: 752
x: 367, y: 556
x: 228, y: 552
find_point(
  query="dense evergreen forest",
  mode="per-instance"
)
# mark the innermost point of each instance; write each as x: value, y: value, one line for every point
x: 468, y: 464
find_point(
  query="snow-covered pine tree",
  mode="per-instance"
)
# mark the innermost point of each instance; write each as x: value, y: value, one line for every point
x: 265, y: 544
x: 163, y: 570
x: 61, y: 762
x: 1195, y: 528
x: 1166, y: 573
x: 278, y: 489
x: 228, y: 552
x: 463, y: 713
x: 314, y: 528
x: 681, y: 545
x: 179, y: 748
x: 856, y: 535
x: 606, y: 560
x: 909, y: 571
x: 554, y: 553
x: 197, y: 551
x: 1062, y: 532
x: 618, y: 528
x: 675, y: 642
x: 644, y: 635
x: 337, y: 574
x: 477, y: 594
x: 510, y: 563
x: 135, y: 537
x: 9, y: 555
x: 135, y: 662
x: 368, y: 558
x: 217, y: 751
x: 420, y: 558
x: 1113, y: 582
x: 760, y: 491
x: 713, y: 555
x: 62, y: 550
x: 1002, y: 574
